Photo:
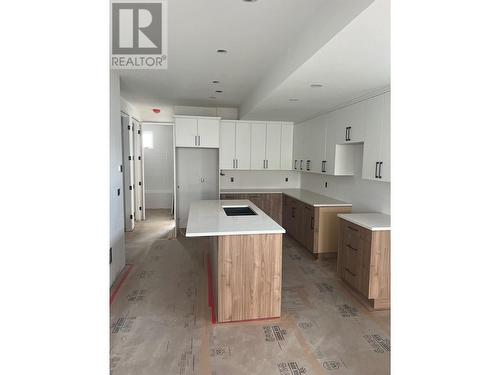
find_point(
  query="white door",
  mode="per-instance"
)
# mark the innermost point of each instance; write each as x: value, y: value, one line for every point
x: 138, y: 172
x: 208, y: 132
x: 273, y: 146
x: 227, y: 159
x: 186, y: 132
x: 385, y: 140
x: 286, y: 146
x: 242, y: 148
x: 371, y: 146
x: 128, y: 173
x: 258, y: 145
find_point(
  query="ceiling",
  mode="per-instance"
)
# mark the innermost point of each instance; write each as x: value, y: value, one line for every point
x: 276, y: 48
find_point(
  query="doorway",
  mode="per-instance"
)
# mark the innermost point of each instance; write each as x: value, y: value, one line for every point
x: 158, y: 155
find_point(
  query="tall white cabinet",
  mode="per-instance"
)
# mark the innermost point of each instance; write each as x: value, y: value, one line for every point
x: 234, y: 145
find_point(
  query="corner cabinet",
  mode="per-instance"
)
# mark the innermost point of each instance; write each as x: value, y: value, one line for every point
x: 195, y: 131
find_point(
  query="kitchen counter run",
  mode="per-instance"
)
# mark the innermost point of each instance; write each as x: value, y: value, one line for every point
x: 305, y: 196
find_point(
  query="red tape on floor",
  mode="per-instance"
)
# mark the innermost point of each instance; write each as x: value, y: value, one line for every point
x: 122, y: 280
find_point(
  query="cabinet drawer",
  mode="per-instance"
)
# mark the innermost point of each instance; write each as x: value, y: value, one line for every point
x: 354, y: 230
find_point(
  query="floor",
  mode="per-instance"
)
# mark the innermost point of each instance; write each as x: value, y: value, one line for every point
x: 160, y: 322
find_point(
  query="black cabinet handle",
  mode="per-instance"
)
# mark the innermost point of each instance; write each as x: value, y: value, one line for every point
x: 349, y: 271
x: 379, y: 169
x: 352, y: 248
x: 308, y: 165
x: 323, y: 166
x: 346, y: 131
x: 350, y: 132
x: 351, y: 228
x: 376, y: 169
x: 295, y: 164
x: 301, y: 164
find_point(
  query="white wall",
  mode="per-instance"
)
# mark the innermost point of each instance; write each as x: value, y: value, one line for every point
x: 130, y: 109
x: 167, y: 112
x: 116, y: 224
x: 365, y: 195
x: 159, y: 167
x: 259, y: 179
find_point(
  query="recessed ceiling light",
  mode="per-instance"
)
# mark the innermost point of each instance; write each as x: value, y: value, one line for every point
x: 215, y: 81
x: 219, y: 91
x: 249, y: 1
x: 222, y: 51
x: 293, y: 100
x: 316, y: 85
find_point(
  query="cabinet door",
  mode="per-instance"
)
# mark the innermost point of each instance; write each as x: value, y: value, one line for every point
x: 294, y: 219
x: 316, y: 143
x: 186, y: 132
x: 286, y: 147
x: 385, y: 140
x: 308, y: 227
x: 286, y: 214
x: 227, y: 145
x: 242, y: 149
x: 208, y: 133
x: 273, y: 146
x: 371, y: 147
x: 258, y: 146
x: 352, y: 123
x: 298, y: 138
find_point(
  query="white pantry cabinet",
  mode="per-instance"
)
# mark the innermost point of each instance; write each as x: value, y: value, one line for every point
x: 234, y: 150
x: 194, y: 131
x: 376, y: 151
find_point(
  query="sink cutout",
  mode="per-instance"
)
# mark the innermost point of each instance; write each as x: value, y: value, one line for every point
x: 239, y: 211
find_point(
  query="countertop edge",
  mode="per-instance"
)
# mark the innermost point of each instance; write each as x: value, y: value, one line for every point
x: 373, y: 229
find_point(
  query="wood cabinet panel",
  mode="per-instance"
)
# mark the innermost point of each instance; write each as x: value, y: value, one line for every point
x: 363, y: 262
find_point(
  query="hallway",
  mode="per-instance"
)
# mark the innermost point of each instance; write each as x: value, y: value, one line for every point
x: 160, y: 322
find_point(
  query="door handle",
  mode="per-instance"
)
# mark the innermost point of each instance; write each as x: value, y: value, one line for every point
x: 379, y: 169
x: 376, y: 169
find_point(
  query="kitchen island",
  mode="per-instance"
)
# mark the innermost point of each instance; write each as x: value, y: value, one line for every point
x: 245, y: 258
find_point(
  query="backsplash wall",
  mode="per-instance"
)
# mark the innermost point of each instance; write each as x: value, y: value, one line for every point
x: 259, y: 179
x: 365, y: 195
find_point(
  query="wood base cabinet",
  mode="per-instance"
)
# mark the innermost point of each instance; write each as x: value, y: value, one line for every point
x: 315, y: 228
x: 363, y: 262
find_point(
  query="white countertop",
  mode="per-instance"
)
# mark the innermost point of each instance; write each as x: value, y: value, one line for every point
x: 207, y: 218
x: 305, y: 196
x: 371, y: 221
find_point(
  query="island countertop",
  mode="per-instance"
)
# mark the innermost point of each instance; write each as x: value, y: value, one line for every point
x: 305, y: 196
x: 207, y: 218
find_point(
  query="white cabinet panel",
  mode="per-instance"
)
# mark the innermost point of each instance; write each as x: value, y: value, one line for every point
x: 258, y: 145
x: 351, y: 123
x: 316, y: 145
x: 298, y: 139
x: 227, y: 145
x: 273, y: 146
x: 186, y: 132
x: 376, y: 150
x: 286, y: 146
x: 242, y: 148
x: 208, y: 132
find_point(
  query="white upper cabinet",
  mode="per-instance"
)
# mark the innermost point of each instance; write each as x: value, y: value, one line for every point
x: 317, y: 146
x: 186, y: 132
x: 242, y: 149
x: 227, y: 145
x: 197, y: 132
x: 376, y: 149
x: 298, y: 145
x: 286, y: 146
x: 258, y: 144
x: 351, y: 122
x: 273, y: 146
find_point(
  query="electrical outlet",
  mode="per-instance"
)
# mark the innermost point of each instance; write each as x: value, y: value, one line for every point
x: 232, y: 179
x: 286, y: 179
x: 326, y: 184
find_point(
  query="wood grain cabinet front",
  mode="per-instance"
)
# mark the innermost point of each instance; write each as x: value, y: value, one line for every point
x: 363, y: 262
